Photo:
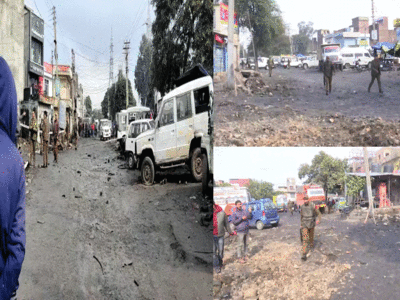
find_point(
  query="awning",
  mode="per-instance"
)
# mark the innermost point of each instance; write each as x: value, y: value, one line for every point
x: 383, y: 46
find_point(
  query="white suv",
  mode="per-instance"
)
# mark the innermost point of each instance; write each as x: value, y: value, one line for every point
x: 180, y: 130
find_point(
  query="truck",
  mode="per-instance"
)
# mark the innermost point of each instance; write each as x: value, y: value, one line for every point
x: 315, y: 194
x: 333, y: 52
x: 227, y: 196
x: 281, y: 202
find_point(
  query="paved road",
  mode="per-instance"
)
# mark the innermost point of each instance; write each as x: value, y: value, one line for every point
x: 94, y: 232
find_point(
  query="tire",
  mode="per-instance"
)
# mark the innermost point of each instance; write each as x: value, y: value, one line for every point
x: 275, y: 225
x: 131, y: 161
x: 347, y: 66
x: 196, y: 165
x: 260, y: 225
x: 305, y: 66
x: 205, y: 177
x: 147, y: 171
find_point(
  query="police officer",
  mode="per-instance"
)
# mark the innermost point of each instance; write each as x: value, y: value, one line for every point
x: 270, y: 65
x: 375, y: 74
x: 308, y: 215
x: 290, y: 207
x: 56, y: 130
x: 328, y: 72
x: 33, y: 128
x: 44, y: 126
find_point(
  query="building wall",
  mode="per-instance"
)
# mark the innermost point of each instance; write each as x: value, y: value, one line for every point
x: 361, y: 24
x: 384, y: 34
x: 12, y: 41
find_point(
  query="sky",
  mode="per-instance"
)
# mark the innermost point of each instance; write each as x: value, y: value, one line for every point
x: 85, y: 26
x: 271, y: 164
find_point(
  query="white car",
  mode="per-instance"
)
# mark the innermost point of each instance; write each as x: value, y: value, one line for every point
x: 180, y: 130
x: 349, y: 55
x: 262, y: 63
x: 105, y: 129
x: 310, y: 62
x: 134, y: 130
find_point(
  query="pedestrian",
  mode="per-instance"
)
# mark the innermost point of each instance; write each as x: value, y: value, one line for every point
x: 375, y: 74
x: 12, y: 189
x: 290, y: 207
x: 308, y: 215
x: 328, y: 72
x: 220, y: 224
x: 44, y: 126
x: 66, y: 135
x: 241, y: 219
x: 288, y: 63
x: 56, y: 131
x: 270, y: 65
x: 75, y: 135
x: 93, y: 127
x: 33, y: 128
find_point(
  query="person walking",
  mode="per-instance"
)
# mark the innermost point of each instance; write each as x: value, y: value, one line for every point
x: 75, y: 135
x: 375, y: 74
x: 308, y: 215
x: 241, y: 219
x: 220, y: 224
x: 56, y: 131
x: 93, y: 127
x: 288, y: 63
x: 270, y: 65
x: 44, y: 126
x: 290, y: 207
x: 12, y: 189
x: 33, y: 128
x: 328, y: 72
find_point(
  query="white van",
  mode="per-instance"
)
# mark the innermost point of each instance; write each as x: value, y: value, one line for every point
x: 349, y: 55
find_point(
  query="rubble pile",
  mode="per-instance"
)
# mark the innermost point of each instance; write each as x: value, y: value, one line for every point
x: 275, y: 272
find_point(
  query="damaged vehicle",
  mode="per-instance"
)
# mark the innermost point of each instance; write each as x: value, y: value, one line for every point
x: 181, y: 127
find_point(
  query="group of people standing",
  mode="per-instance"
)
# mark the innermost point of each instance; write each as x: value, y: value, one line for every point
x: 56, y: 137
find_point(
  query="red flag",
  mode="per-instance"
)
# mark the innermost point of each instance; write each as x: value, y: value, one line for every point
x: 219, y: 39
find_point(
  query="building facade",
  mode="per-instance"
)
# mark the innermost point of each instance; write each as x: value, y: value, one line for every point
x: 383, y: 32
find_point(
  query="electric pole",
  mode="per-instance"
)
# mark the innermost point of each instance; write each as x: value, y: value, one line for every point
x: 373, y: 19
x: 231, y: 27
x: 369, y: 190
x: 111, y: 75
x: 73, y: 85
x: 56, y: 56
x: 126, y: 48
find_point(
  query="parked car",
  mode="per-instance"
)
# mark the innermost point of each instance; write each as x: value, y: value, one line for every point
x: 349, y: 55
x: 105, y: 129
x: 264, y: 213
x: 262, y: 63
x: 134, y: 130
x: 310, y: 62
x: 180, y: 127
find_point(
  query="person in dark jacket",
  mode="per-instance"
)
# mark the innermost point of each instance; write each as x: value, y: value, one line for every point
x: 308, y: 215
x: 12, y: 189
x: 220, y: 224
x: 241, y: 219
x: 56, y: 131
x: 45, y: 128
x: 375, y: 74
x: 328, y: 72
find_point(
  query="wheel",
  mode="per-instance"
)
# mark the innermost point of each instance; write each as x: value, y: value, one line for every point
x: 275, y: 225
x: 260, y: 225
x: 205, y: 176
x: 131, y: 161
x: 347, y: 66
x: 305, y: 66
x: 196, y: 165
x: 147, y: 171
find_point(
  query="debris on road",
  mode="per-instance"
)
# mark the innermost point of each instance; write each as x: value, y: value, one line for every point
x: 99, y: 264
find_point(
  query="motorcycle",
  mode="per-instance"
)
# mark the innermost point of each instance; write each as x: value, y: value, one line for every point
x: 358, y: 67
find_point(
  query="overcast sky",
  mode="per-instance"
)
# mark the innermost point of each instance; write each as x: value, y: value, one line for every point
x: 271, y: 164
x: 85, y: 26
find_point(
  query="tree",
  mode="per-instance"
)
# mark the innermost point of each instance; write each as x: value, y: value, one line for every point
x: 280, y: 44
x: 302, y: 41
x: 88, y: 105
x: 355, y: 185
x: 182, y: 36
x: 260, y: 189
x: 117, y: 95
x: 143, y: 73
x: 306, y: 29
x: 97, y: 114
x: 325, y: 170
x: 262, y: 18
x: 224, y: 184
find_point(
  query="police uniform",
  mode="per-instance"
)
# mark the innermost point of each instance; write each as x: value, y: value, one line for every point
x: 270, y: 66
x: 375, y: 74
x: 45, y: 128
x: 33, y: 132
x: 328, y: 71
x: 308, y: 215
x: 55, y: 138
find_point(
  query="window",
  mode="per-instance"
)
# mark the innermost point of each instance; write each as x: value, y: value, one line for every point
x: 135, y: 130
x: 167, y: 115
x: 46, y: 87
x: 358, y: 55
x: 347, y: 55
x: 145, y: 127
x: 36, y: 51
x: 151, y: 123
x: 183, y: 107
x: 201, y: 99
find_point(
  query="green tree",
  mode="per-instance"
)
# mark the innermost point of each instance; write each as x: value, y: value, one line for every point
x: 302, y: 41
x: 182, y: 36
x: 88, y: 105
x: 117, y: 95
x: 260, y: 189
x: 224, y: 184
x: 325, y: 170
x: 355, y: 185
x: 262, y: 18
x: 97, y: 114
x: 279, y: 45
x: 143, y: 73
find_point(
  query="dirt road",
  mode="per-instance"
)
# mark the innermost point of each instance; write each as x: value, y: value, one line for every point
x: 291, y: 109
x: 350, y: 261
x: 94, y: 232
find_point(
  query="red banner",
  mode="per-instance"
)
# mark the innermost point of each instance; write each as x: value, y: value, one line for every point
x: 224, y: 15
x: 40, y: 86
x: 219, y: 39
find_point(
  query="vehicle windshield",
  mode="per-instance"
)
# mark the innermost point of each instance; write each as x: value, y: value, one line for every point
x: 270, y: 205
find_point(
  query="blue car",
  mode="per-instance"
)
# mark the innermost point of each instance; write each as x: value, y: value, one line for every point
x: 264, y: 213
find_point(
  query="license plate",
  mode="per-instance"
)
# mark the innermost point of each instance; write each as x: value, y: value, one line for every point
x: 273, y: 222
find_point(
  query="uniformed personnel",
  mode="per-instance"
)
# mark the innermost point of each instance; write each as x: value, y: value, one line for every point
x: 328, y: 72
x: 375, y: 74
x: 33, y: 128
x: 44, y: 126
x: 56, y: 130
x: 270, y: 66
x: 290, y: 207
x: 308, y: 215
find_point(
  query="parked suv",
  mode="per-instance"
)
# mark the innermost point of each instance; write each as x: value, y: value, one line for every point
x: 134, y: 130
x: 180, y: 127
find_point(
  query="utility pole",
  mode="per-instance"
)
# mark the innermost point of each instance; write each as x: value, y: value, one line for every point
x: 148, y: 23
x: 252, y: 40
x: 373, y: 19
x: 111, y: 74
x: 73, y: 85
x: 126, y: 48
x: 56, y: 56
x: 231, y: 27
x: 369, y: 190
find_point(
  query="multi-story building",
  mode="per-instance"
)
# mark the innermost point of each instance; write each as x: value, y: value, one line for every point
x: 291, y: 188
x: 220, y: 30
x: 383, y: 32
x: 12, y: 41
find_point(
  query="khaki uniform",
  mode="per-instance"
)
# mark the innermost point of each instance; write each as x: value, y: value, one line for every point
x: 290, y: 207
x: 328, y: 72
x: 33, y: 128
x: 45, y: 128
x: 375, y: 74
x: 308, y: 215
x: 56, y: 130
x: 270, y: 66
